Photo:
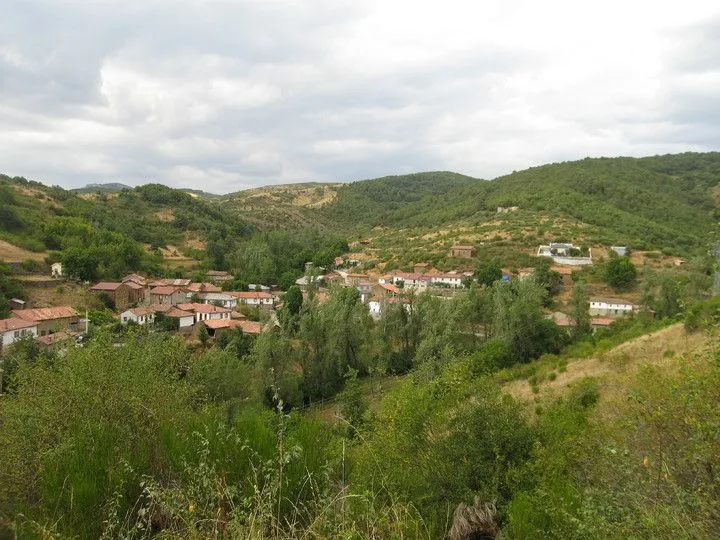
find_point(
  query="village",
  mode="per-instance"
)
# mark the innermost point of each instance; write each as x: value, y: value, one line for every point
x: 183, y: 306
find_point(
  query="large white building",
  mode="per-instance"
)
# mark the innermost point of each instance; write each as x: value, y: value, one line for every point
x: 610, y: 307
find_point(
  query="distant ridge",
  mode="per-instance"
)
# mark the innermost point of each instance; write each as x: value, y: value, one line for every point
x: 111, y: 187
x: 116, y: 187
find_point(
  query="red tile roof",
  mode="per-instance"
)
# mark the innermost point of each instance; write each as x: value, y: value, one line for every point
x: 160, y: 307
x: 177, y: 312
x: 217, y: 324
x: 164, y: 290
x: 391, y: 288
x: 601, y: 321
x: 202, y: 308
x: 45, y: 314
x: 251, y: 327
x: 7, y: 325
x: 106, y: 286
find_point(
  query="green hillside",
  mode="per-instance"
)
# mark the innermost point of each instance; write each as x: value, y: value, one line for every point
x: 123, y: 229
x: 662, y: 202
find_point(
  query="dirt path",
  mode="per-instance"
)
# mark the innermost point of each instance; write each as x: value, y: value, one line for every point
x: 658, y: 348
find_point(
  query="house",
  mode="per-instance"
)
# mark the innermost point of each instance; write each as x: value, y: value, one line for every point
x: 204, y: 312
x: 463, y: 252
x: 356, y: 279
x: 620, y: 250
x: 219, y: 276
x: 254, y: 298
x: 258, y: 287
x: 216, y: 326
x: 610, y: 307
x: 13, y: 329
x: 365, y: 290
x: 169, y: 282
x: 167, y: 294
x: 411, y: 280
x: 194, y: 288
x: 507, y: 209
x: 310, y: 280
x: 56, y: 270
x: 390, y: 289
x: 600, y: 322
x: 16, y: 303
x: 563, y: 253
x: 377, y: 305
x: 135, y: 278
x: 50, y: 320
x: 452, y: 279
x: 185, y: 318
x: 218, y: 299
x: 388, y: 278
x: 122, y: 294
x: 138, y: 315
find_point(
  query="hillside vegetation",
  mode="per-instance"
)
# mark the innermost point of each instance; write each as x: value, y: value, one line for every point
x: 664, y: 202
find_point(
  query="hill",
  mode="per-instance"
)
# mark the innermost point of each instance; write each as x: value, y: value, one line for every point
x: 660, y: 202
x: 667, y: 203
x: 142, y: 220
x: 110, y: 187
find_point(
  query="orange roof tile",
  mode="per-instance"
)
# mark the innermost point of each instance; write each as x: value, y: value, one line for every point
x: 105, y: 286
x: 203, y: 308
x: 164, y: 290
x: 7, y: 325
x: 45, y: 314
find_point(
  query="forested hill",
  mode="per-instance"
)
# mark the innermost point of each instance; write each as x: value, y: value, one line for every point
x: 120, y: 231
x: 659, y: 202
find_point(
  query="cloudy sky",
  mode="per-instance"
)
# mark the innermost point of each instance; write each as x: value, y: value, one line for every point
x: 225, y: 95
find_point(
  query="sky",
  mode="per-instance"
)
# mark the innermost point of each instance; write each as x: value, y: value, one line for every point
x: 229, y: 95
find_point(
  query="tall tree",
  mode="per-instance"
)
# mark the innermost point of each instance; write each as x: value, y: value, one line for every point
x: 579, y: 314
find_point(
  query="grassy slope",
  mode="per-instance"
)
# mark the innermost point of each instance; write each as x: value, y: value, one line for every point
x: 611, y: 367
x: 148, y: 214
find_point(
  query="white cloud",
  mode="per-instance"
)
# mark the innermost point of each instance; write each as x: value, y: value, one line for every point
x: 222, y: 95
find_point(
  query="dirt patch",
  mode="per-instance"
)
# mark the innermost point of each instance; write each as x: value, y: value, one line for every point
x: 165, y: 215
x: 194, y: 241
x: 14, y: 254
x: 658, y: 348
x: 66, y: 293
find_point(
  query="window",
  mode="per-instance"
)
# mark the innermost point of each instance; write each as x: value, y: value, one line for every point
x: 17, y: 333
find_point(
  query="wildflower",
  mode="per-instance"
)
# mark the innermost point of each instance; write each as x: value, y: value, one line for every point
x: 646, y: 461
x: 191, y: 508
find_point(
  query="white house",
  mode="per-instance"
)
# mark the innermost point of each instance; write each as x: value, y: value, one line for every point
x: 56, y: 269
x: 14, y: 329
x: 620, y: 250
x: 560, y: 254
x: 411, y: 280
x: 610, y: 307
x: 218, y: 298
x: 255, y: 298
x: 185, y: 318
x: 447, y: 280
x: 205, y: 312
x: 138, y: 315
